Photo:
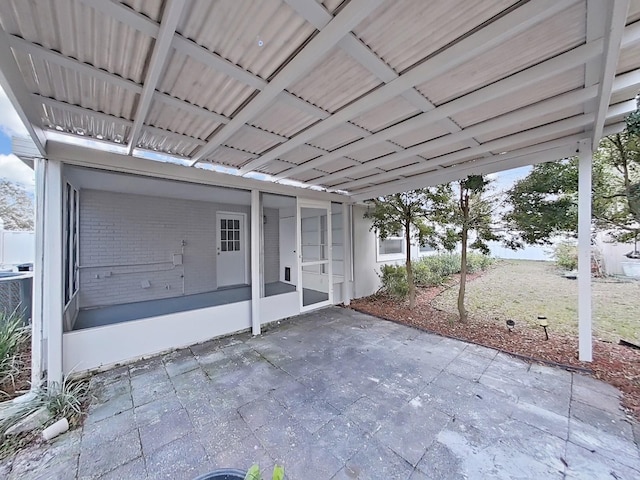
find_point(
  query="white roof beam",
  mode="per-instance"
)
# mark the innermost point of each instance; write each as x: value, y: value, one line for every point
x: 71, y: 64
x: 556, y: 65
x: 67, y: 107
x: 310, y: 55
x: 149, y: 27
x: 613, y: 39
x: 170, y: 17
x: 483, y: 166
x: 485, y: 128
x: 126, y: 15
x: 189, y: 107
x: 544, y: 152
x: 500, y: 144
x: 13, y: 84
x: 315, y: 14
x: 481, y: 41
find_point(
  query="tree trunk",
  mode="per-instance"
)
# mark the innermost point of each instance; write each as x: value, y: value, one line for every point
x: 463, y: 275
x: 464, y: 208
x: 410, y: 282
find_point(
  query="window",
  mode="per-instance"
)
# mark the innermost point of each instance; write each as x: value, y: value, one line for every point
x: 426, y: 249
x: 392, y: 247
x: 229, y: 235
x: 70, y: 261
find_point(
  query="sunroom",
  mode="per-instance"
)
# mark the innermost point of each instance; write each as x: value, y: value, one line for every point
x: 201, y: 166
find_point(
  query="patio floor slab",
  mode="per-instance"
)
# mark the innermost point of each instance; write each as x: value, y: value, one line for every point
x: 337, y: 394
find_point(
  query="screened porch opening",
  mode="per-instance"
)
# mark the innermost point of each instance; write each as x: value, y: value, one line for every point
x: 149, y: 247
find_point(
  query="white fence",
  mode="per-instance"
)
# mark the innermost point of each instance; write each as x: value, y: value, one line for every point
x: 16, y: 248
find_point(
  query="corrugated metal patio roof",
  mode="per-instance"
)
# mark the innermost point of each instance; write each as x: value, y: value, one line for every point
x: 364, y: 96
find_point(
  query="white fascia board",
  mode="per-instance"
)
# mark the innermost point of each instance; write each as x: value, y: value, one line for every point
x: 479, y: 42
x: 310, y: 55
x: 82, y: 156
x: 171, y: 15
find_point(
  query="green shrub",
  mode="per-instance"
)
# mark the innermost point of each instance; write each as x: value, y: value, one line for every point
x: 428, y: 271
x: 477, y: 262
x: 566, y: 255
x: 394, y: 281
x: 13, y: 335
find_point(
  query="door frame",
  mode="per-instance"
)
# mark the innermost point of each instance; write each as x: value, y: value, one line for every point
x: 246, y: 243
x: 304, y: 203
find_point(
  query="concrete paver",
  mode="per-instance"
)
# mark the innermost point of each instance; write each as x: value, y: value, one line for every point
x: 337, y: 394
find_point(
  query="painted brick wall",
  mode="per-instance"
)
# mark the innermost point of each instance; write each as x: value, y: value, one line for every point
x: 117, y: 229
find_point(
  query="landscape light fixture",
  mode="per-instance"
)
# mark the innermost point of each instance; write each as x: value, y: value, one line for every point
x: 510, y: 324
x: 542, y: 321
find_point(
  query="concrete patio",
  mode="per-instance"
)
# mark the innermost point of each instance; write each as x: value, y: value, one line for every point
x: 336, y: 394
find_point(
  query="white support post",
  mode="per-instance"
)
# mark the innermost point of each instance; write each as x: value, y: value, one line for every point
x: 256, y: 226
x: 52, y: 274
x: 584, y: 252
x: 346, y: 255
x: 37, y: 354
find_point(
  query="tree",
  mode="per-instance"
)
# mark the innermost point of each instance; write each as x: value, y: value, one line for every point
x: 411, y: 214
x: 16, y: 207
x: 469, y: 221
x: 545, y: 203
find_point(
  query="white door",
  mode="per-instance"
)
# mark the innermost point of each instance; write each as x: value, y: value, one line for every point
x: 231, y: 261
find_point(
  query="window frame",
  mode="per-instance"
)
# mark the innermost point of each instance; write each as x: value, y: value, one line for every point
x: 71, y: 242
x: 391, y: 256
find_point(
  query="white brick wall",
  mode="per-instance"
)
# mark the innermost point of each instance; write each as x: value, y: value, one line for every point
x: 118, y: 229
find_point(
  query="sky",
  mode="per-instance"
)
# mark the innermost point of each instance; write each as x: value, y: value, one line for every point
x: 11, y: 167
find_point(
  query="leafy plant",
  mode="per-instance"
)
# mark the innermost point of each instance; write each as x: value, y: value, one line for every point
x: 66, y: 400
x: 13, y: 335
x: 254, y: 473
x: 61, y: 401
x: 394, y: 281
x: 413, y: 214
x: 566, y: 255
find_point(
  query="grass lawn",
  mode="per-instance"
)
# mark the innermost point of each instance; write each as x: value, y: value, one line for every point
x: 522, y: 290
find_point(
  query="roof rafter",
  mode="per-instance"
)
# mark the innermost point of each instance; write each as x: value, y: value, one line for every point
x: 315, y: 14
x: 534, y: 74
x: 310, y: 55
x: 183, y: 45
x: 539, y: 153
x: 614, y: 31
x: 479, y: 165
x: 484, y: 128
x: 481, y: 41
x: 170, y: 18
x: 500, y: 144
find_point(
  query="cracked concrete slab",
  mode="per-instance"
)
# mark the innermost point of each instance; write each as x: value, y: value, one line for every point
x: 336, y: 394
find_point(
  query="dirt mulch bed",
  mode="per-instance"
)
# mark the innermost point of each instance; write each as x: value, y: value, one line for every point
x: 612, y: 363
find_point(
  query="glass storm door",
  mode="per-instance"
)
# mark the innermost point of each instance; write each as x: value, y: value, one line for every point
x: 314, y: 253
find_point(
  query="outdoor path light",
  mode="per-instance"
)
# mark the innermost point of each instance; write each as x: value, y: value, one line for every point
x: 510, y: 324
x: 542, y: 320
